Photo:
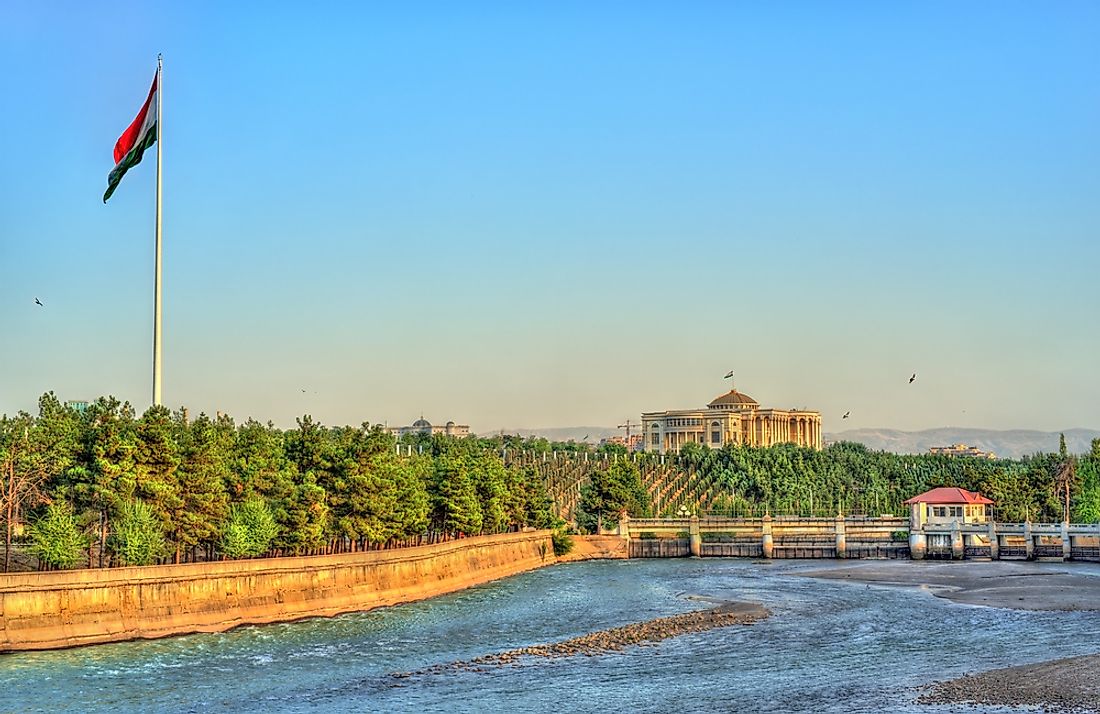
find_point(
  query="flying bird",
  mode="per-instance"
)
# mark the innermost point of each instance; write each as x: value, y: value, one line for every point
x: 38, y: 302
x: 912, y: 378
x: 846, y: 415
x: 728, y: 374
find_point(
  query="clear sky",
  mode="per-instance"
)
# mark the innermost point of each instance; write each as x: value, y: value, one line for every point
x: 534, y: 215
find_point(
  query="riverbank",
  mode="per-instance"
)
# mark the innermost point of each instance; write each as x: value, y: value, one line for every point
x: 1067, y: 685
x: 593, y: 547
x: 1014, y: 585
x: 69, y: 608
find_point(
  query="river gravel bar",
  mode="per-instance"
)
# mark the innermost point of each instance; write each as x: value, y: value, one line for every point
x: 615, y: 639
x: 1062, y: 685
x: 1013, y: 585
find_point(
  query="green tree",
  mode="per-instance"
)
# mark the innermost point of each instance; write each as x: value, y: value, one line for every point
x: 250, y: 530
x: 57, y: 538
x: 1087, y: 507
x: 455, y: 505
x: 205, y: 448
x: 102, y: 477
x: 155, y: 478
x: 610, y: 494
x: 138, y: 536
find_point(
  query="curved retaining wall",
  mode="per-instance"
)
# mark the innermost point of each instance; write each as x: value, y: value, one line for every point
x: 78, y: 607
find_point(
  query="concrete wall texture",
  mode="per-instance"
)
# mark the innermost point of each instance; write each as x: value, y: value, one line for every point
x: 78, y: 607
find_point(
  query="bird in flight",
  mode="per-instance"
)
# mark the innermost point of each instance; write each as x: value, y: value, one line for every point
x: 911, y: 379
x: 846, y: 415
x: 728, y: 374
x: 38, y: 302
x: 303, y: 391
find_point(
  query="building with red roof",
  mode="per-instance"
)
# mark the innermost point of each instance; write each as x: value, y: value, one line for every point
x: 946, y: 505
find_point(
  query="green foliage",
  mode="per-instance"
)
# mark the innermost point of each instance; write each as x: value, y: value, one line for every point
x: 563, y: 542
x: 250, y: 530
x: 57, y: 538
x: 456, y: 508
x: 138, y: 536
x: 611, y: 493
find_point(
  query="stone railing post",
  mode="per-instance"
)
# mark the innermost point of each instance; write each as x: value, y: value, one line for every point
x: 695, y: 539
x: 958, y: 546
x: 994, y: 542
x: 1029, y: 541
x: 624, y: 527
x: 1067, y: 546
x: 841, y: 538
x: 766, y: 537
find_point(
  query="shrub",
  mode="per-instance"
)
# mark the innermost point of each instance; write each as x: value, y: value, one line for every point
x: 563, y: 542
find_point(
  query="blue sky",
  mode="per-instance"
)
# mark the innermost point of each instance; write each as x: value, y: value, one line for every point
x: 560, y: 214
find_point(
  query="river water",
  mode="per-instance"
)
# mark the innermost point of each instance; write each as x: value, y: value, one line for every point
x: 828, y: 646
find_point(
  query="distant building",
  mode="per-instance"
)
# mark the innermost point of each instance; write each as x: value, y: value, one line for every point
x: 962, y: 450
x: 731, y: 418
x: 423, y: 426
x: 943, y: 506
x: 636, y: 442
x: 77, y: 405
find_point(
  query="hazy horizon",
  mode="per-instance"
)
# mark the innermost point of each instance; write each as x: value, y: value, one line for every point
x: 561, y: 215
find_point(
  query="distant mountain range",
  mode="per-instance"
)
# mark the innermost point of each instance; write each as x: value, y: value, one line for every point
x: 1010, y: 444
x: 569, y: 433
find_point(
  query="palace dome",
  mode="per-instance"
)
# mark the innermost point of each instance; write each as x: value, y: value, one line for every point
x: 733, y: 399
x: 421, y: 422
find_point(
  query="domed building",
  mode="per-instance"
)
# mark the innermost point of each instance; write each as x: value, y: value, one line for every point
x: 730, y: 418
x: 423, y: 426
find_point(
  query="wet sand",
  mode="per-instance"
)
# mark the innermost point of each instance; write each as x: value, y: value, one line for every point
x: 1014, y: 585
x: 615, y: 639
x: 1062, y: 685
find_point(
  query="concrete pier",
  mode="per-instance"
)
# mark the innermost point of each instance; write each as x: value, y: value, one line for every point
x: 695, y: 538
x: 766, y: 540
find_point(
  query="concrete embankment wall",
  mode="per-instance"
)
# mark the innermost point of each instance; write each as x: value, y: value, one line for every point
x: 77, y: 607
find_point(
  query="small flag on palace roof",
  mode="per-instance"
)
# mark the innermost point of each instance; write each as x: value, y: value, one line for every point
x: 139, y: 136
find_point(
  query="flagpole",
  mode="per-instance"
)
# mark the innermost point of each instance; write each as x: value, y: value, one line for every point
x: 157, y: 331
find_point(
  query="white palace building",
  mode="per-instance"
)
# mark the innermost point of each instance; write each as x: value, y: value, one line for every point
x: 732, y: 418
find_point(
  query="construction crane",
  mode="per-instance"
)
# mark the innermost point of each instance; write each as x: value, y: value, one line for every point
x: 628, y: 426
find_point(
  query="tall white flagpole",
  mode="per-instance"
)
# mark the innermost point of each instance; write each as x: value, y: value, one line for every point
x: 157, y: 330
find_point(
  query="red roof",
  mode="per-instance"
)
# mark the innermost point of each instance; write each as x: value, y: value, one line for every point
x: 949, y: 495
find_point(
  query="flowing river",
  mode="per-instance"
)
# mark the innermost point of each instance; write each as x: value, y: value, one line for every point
x: 828, y: 646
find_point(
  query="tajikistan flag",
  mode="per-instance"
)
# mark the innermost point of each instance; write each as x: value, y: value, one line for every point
x: 139, y: 136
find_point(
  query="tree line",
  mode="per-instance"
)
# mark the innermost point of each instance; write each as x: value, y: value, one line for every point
x: 844, y: 478
x: 104, y: 486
